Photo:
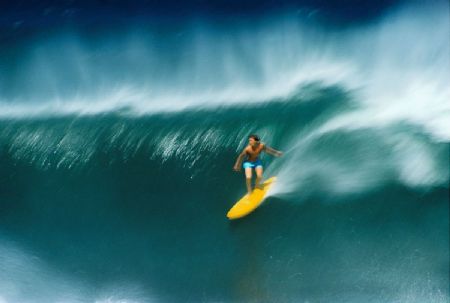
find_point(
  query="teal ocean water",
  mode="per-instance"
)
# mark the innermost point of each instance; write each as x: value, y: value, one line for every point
x: 117, y: 148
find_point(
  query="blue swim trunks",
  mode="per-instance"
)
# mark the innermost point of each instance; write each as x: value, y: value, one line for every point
x: 252, y: 164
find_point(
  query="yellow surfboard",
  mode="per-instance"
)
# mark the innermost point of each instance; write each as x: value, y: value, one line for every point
x: 249, y: 203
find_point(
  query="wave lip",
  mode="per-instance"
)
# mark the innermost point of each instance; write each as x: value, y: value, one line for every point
x: 396, y: 66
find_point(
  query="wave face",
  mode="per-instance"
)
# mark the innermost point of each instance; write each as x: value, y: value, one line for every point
x: 116, y: 149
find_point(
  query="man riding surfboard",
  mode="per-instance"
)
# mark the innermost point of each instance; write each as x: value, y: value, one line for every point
x: 251, y: 152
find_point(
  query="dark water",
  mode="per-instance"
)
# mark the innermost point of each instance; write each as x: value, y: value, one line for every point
x: 117, y: 147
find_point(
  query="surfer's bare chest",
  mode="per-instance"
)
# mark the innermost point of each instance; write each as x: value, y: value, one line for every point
x: 253, y: 152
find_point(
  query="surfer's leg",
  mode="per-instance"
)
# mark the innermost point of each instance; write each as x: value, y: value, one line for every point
x: 248, y: 179
x: 259, y: 173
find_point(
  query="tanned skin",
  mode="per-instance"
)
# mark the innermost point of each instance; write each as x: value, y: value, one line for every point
x: 251, y: 152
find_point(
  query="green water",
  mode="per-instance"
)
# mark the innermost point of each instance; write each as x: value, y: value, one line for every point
x: 119, y: 208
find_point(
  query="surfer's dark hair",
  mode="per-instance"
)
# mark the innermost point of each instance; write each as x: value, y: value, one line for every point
x: 255, y: 137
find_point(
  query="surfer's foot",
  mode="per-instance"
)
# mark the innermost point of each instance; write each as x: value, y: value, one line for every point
x: 260, y: 186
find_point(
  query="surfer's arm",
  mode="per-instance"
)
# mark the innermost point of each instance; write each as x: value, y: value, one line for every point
x: 237, y: 165
x: 272, y: 151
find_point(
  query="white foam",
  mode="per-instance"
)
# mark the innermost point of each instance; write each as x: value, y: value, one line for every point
x: 403, y: 92
x: 210, y: 66
x: 398, y: 66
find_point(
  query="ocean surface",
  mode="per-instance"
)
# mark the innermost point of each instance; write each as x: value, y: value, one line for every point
x: 120, y: 125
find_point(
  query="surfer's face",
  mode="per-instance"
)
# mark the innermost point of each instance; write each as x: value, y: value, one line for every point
x: 253, y: 142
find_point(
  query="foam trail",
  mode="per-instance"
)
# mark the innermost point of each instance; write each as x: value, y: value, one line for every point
x: 403, y: 92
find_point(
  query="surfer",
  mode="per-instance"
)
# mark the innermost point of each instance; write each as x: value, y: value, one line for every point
x: 252, y: 151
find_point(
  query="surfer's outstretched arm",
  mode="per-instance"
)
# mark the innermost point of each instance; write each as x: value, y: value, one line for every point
x: 237, y: 165
x: 272, y: 151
